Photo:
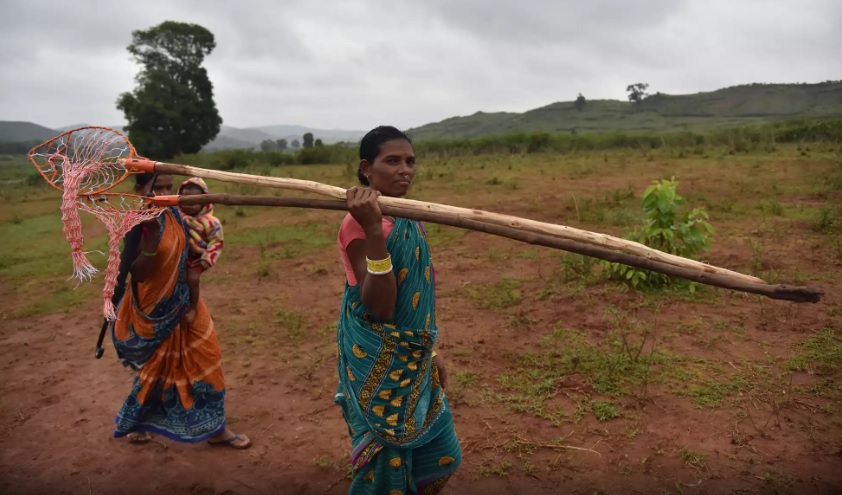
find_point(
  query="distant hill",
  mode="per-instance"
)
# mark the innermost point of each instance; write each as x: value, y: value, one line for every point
x: 225, y: 142
x: 76, y: 126
x: 16, y: 132
x: 228, y: 138
x: 753, y: 103
x: 328, y: 136
x: 252, y: 136
x: 658, y: 112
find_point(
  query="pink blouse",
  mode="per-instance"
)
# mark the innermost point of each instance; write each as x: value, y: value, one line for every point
x: 351, y: 230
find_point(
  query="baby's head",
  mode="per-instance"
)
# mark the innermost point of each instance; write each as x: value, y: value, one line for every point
x: 192, y: 187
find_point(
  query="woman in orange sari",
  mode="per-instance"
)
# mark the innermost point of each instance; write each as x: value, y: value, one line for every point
x: 179, y: 388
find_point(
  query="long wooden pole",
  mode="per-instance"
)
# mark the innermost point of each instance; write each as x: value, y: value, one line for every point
x: 780, y: 292
x: 452, y: 212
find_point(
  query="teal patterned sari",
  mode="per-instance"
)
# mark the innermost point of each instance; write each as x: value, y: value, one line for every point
x: 397, y: 414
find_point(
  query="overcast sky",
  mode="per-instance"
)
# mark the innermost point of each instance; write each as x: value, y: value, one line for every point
x: 355, y: 64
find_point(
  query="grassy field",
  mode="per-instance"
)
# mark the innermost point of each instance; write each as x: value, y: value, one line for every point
x: 558, y: 374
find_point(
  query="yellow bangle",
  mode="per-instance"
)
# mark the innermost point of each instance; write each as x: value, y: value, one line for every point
x: 379, y: 267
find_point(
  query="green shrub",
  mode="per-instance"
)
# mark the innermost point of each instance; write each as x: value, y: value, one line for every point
x: 665, y: 229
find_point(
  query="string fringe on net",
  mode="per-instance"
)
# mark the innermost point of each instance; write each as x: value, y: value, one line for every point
x: 119, y: 213
x: 84, y: 164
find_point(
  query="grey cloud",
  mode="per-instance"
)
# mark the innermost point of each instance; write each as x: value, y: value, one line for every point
x: 553, y: 21
x: 359, y: 63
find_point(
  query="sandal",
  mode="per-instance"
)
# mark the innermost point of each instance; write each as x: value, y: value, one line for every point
x: 229, y: 442
x: 139, y: 437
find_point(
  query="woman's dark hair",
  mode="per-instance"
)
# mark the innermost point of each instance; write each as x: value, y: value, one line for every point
x: 141, y: 180
x: 370, y: 145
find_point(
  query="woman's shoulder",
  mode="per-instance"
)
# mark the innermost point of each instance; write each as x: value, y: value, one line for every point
x: 350, y: 224
x: 348, y: 219
x: 349, y: 230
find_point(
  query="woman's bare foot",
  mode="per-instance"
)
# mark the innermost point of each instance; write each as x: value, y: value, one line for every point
x: 230, y: 439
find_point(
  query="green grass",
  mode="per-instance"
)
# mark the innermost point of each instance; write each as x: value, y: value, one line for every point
x: 828, y: 220
x: 459, y: 382
x: 305, y: 237
x: 61, y: 299
x: 498, y: 469
x: 442, y: 235
x: 820, y: 354
x: 291, y: 321
x: 604, y: 411
x: 705, y: 391
x: 35, y: 247
x: 692, y: 458
x: 500, y: 296
x: 625, y: 363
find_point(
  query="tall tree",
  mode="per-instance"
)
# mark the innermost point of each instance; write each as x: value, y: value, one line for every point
x: 637, y: 92
x: 281, y: 144
x: 580, y: 103
x: 319, y: 143
x: 267, y: 145
x: 171, y: 110
x: 307, y: 140
x: 295, y: 144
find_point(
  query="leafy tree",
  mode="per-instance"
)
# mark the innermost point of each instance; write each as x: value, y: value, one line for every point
x: 308, y: 139
x: 281, y: 144
x: 295, y: 144
x: 580, y: 103
x: 172, y: 110
x: 267, y: 145
x: 637, y: 92
x: 319, y: 143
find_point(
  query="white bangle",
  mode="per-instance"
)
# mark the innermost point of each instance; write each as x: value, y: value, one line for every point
x: 384, y: 272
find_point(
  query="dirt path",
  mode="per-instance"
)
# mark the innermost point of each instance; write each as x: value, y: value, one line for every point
x: 59, y: 403
x: 745, y: 395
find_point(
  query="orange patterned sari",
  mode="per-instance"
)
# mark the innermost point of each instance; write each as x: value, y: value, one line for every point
x: 179, y: 388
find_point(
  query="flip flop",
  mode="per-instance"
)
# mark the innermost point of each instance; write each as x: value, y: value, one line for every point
x: 230, y: 442
x: 139, y: 437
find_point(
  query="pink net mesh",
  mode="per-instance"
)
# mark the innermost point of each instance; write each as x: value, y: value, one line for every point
x: 119, y: 213
x: 96, y: 151
x: 84, y: 163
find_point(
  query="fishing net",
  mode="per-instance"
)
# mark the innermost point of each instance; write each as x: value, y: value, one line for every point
x: 83, y: 164
x: 119, y: 213
x: 96, y: 153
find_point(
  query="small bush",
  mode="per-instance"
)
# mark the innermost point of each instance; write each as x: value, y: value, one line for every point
x: 665, y: 229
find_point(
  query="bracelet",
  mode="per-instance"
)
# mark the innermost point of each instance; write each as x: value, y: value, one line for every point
x: 148, y: 253
x: 382, y: 272
x: 380, y: 267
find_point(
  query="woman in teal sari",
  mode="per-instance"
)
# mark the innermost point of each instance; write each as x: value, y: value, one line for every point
x: 391, y: 381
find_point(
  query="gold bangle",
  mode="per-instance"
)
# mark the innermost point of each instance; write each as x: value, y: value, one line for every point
x: 379, y: 266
